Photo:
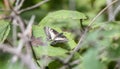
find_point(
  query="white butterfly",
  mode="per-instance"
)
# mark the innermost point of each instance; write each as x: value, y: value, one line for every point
x: 54, y: 36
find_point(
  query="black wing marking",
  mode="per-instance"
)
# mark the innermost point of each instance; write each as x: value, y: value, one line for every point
x: 50, y: 33
x: 60, y: 38
x: 54, y: 35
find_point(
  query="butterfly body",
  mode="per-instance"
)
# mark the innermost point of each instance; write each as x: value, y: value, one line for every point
x: 54, y: 36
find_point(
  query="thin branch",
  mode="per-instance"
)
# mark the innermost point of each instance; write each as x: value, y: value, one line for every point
x: 29, y: 27
x: 6, y: 4
x: 14, y: 31
x: 92, y: 21
x: 18, y: 19
x: 75, y: 62
x: 34, y: 6
x: 64, y: 67
x: 27, y: 59
x: 28, y: 33
x: 19, y: 5
x: 17, y: 2
x: 111, y: 16
x: 23, y: 36
x: 9, y: 49
x: 117, y: 10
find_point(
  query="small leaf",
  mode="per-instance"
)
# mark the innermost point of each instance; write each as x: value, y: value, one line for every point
x: 4, y: 30
x: 55, y: 65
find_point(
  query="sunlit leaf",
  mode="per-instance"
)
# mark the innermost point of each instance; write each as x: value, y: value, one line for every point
x: 4, y: 30
x: 49, y: 50
x: 63, y: 17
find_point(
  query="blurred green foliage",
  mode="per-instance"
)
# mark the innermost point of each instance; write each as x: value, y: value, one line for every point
x: 100, y: 47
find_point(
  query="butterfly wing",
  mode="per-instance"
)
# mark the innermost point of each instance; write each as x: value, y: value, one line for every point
x: 54, y: 35
x: 50, y: 33
x: 60, y: 38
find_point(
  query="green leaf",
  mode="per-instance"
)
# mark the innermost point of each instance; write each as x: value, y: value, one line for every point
x: 49, y: 50
x: 63, y: 17
x: 66, y: 14
x: 71, y: 42
x: 16, y: 65
x: 4, y: 30
x: 113, y: 51
x: 90, y: 60
x: 54, y: 65
x: 38, y: 31
x: 4, y: 58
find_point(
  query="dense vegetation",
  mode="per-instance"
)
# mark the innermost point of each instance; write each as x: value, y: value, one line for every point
x: 59, y: 34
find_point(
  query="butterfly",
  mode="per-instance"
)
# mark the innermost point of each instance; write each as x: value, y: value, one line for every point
x: 54, y: 36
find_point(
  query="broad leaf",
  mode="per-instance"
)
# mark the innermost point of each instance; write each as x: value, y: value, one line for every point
x: 63, y: 18
x: 49, y: 51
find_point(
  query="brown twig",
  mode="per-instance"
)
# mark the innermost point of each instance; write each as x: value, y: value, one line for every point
x: 14, y: 35
x: 34, y: 6
x: 9, y: 49
x: 18, y: 6
x: 17, y: 2
x: 75, y: 62
x: 6, y: 4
